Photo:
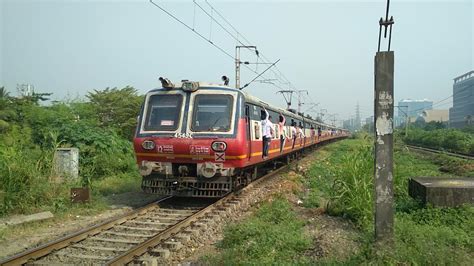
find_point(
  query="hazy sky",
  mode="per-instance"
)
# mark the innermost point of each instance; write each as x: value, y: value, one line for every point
x: 325, y: 47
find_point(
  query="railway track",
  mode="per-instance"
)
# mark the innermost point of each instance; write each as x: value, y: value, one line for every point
x: 149, y: 232
x: 458, y: 155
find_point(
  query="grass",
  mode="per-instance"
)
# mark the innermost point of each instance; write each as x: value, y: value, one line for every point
x: 423, y: 235
x: 273, y: 236
x: 342, y: 180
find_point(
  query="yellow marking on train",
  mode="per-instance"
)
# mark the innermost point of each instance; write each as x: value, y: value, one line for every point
x: 243, y: 156
x: 171, y: 155
x: 230, y: 157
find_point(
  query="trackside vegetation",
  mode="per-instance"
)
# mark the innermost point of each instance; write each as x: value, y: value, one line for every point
x: 454, y: 140
x: 341, y: 182
x: 273, y: 236
x: 101, y: 126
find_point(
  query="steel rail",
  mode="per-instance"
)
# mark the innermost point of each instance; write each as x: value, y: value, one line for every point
x: 142, y: 248
x: 454, y: 154
x: 47, y: 248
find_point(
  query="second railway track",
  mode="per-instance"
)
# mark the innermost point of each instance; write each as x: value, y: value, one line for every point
x: 151, y: 231
x: 458, y: 155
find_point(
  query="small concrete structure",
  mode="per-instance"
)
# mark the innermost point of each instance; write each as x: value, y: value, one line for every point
x: 66, y: 163
x: 442, y: 191
x: 20, y: 219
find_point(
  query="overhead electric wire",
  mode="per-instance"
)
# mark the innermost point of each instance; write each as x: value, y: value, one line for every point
x: 199, y: 34
x: 259, y: 75
x: 280, y: 77
x: 218, y: 23
x: 248, y: 43
x: 226, y: 21
x: 191, y: 29
x: 228, y: 32
x: 225, y: 29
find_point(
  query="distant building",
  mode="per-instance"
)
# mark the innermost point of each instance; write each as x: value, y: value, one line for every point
x: 413, y: 107
x: 434, y: 116
x: 462, y: 112
x: 348, y: 124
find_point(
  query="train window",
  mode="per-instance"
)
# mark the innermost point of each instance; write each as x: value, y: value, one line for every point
x: 255, y: 112
x: 163, y: 112
x: 274, y: 116
x: 257, y: 130
x: 212, y: 113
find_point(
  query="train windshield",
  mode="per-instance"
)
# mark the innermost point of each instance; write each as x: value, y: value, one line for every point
x: 163, y: 112
x: 212, y: 113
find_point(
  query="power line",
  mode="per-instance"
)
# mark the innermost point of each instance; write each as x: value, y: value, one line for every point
x: 280, y: 74
x: 212, y: 17
x: 191, y: 29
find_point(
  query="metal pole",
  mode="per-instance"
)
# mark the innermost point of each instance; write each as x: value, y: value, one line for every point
x: 406, y: 123
x: 384, y: 211
x: 237, y: 67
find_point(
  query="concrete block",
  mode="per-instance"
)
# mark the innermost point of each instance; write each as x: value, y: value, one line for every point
x: 14, y: 220
x: 442, y: 191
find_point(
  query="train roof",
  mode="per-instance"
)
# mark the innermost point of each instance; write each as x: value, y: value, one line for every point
x: 248, y: 98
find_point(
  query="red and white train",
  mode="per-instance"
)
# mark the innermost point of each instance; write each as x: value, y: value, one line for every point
x: 205, y: 140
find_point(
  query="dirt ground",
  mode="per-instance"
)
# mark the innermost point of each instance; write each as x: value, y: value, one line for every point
x: 21, y: 237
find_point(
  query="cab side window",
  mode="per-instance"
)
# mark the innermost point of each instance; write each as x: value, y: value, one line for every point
x: 255, y: 116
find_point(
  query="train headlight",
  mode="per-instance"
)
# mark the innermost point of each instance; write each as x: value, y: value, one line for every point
x: 219, y: 146
x: 189, y: 86
x: 148, y: 145
x: 208, y: 170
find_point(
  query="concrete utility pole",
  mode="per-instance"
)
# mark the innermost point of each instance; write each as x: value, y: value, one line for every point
x: 383, y: 114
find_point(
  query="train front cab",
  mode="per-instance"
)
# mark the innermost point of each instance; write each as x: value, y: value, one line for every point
x: 189, y: 142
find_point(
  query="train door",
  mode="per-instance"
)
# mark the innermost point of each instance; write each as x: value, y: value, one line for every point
x: 248, y: 126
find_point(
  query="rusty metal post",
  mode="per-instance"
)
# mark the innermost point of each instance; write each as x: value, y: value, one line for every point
x: 384, y: 211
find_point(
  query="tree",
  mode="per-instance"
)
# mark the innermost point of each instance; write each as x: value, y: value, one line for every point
x: 4, y: 94
x: 6, y: 112
x: 117, y: 108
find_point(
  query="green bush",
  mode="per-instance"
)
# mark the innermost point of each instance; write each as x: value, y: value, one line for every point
x: 444, y: 139
x: 25, y: 172
x: 30, y: 134
x: 102, y: 151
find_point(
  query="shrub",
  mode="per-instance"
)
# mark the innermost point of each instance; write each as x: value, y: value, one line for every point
x: 445, y: 139
x: 25, y: 172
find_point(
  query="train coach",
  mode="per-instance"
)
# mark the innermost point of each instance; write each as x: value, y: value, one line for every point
x: 205, y: 140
